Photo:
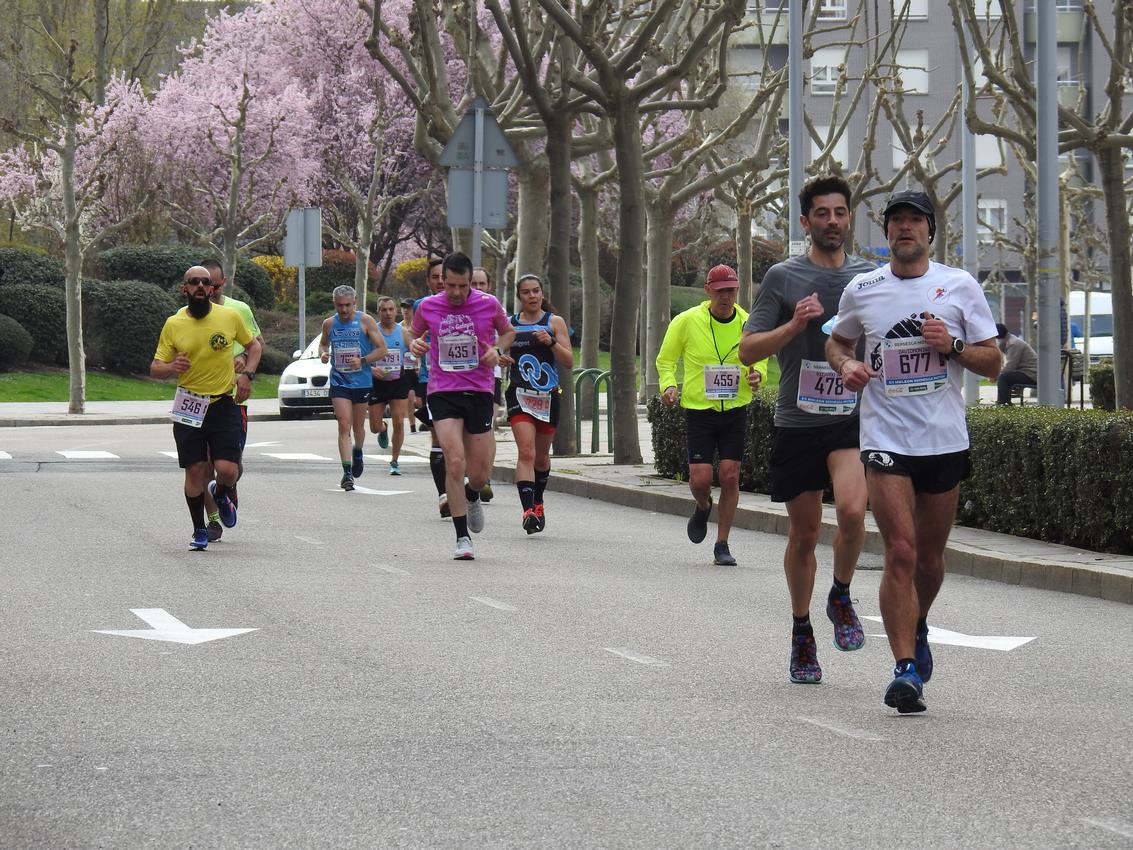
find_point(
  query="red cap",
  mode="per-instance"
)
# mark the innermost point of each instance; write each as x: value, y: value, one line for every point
x: 722, y: 277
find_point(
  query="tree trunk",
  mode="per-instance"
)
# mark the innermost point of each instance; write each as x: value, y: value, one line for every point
x: 101, y: 35
x: 627, y: 290
x: 591, y: 287
x: 659, y: 238
x: 1111, y: 168
x: 76, y: 354
x: 362, y: 264
x: 532, y: 228
x: 558, y: 262
x: 743, y: 253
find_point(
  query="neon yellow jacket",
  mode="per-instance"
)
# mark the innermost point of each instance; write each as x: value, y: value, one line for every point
x: 698, y: 338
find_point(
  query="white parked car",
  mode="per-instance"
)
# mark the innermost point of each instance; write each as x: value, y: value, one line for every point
x: 304, y: 386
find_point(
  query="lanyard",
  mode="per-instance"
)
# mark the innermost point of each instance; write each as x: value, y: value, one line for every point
x: 712, y: 330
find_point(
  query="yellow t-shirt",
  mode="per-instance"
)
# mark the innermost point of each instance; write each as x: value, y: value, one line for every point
x: 208, y: 342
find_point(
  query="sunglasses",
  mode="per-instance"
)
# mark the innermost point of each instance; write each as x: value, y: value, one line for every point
x: 201, y: 281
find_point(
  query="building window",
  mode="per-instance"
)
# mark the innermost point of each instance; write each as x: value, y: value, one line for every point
x: 912, y: 65
x: 989, y: 153
x: 991, y: 218
x: 832, y: 10
x: 824, y: 69
x: 918, y: 9
x: 988, y: 10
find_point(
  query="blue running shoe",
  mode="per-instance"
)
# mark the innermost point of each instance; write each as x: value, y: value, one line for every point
x: 804, y: 668
x: 923, y: 654
x: 224, y: 507
x: 848, y: 633
x: 906, y: 692
x: 383, y: 441
x: 357, y: 464
x: 394, y: 469
x: 200, y: 540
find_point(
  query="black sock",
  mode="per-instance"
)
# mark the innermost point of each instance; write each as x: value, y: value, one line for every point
x: 526, y: 494
x: 196, y: 510
x: 437, y: 467
x: 839, y: 589
x: 802, y: 625
x: 470, y: 494
x: 922, y: 624
x: 542, y: 476
x: 461, y: 523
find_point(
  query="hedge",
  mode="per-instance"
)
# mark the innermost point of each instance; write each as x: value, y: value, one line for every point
x: 1051, y: 474
x: 165, y: 266
x: 42, y: 310
x: 1103, y: 393
x: 15, y: 343
x: 337, y: 269
x: 273, y: 361
x: 24, y: 265
x: 122, y: 320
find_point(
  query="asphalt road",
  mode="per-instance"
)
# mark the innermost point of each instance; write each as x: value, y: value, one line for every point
x: 598, y: 685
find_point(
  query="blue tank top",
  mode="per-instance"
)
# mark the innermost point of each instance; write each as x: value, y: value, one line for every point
x: 394, y: 342
x: 423, y: 361
x: 534, y: 367
x: 349, y: 338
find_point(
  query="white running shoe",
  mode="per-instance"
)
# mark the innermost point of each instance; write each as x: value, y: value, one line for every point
x: 475, y: 517
x: 463, y: 550
x: 442, y: 506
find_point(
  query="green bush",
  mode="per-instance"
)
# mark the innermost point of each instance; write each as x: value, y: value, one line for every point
x: 1102, y: 389
x: 42, y: 310
x: 122, y: 320
x: 24, y: 265
x: 165, y: 266
x: 15, y: 343
x: 255, y: 282
x: 682, y: 298
x: 273, y: 361
x: 337, y: 269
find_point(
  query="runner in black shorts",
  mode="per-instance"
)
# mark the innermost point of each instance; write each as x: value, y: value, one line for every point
x: 390, y: 389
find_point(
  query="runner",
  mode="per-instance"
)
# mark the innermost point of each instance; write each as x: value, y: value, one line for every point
x: 436, y: 455
x: 195, y: 347
x: 462, y: 323
x: 923, y: 323
x: 541, y: 346
x: 707, y: 338
x: 354, y: 341
x: 390, y: 385
x: 816, y: 420
x: 409, y: 365
x: 482, y: 281
x: 240, y: 362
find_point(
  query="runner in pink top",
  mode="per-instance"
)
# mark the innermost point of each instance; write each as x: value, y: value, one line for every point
x: 462, y: 325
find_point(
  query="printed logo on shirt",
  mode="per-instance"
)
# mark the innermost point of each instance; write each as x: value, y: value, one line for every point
x: 870, y: 282
x: 457, y: 323
x: 904, y: 328
x: 218, y: 342
x: 937, y: 294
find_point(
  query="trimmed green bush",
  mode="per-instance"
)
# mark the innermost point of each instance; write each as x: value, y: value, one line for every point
x: 165, y: 266
x: 122, y: 320
x: 15, y: 343
x: 42, y: 310
x: 682, y: 298
x: 273, y: 361
x: 255, y: 282
x: 24, y: 265
x: 337, y: 269
x: 1102, y: 390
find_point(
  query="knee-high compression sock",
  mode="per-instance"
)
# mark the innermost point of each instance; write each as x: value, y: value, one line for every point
x: 526, y: 494
x: 470, y: 494
x: 437, y: 467
x: 542, y: 476
x: 196, y: 509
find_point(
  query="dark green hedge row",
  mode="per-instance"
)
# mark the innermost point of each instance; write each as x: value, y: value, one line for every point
x: 23, y: 265
x: 1102, y: 390
x: 165, y: 266
x: 1064, y: 476
x: 42, y: 310
x: 15, y: 343
x: 122, y: 320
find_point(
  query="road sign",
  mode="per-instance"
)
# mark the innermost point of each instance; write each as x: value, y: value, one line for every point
x: 461, y: 198
x: 164, y: 626
x: 303, y: 242
x: 460, y: 152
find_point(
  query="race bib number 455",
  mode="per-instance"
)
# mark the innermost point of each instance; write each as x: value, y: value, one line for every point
x: 721, y: 382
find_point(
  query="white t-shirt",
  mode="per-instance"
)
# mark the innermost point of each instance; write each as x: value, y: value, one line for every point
x: 916, y: 419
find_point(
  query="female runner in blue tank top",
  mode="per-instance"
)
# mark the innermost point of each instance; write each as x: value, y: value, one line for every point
x: 541, y: 346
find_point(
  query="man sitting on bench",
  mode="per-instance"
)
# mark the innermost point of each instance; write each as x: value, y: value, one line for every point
x: 1020, y: 364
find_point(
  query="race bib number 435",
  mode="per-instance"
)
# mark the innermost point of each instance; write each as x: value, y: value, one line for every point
x: 458, y: 352
x: 910, y: 366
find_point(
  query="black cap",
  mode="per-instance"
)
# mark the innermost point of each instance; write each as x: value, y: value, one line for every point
x: 405, y: 302
x: 917, y: 200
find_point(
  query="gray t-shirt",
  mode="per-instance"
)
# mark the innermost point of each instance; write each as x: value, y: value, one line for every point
x: 784, y: 285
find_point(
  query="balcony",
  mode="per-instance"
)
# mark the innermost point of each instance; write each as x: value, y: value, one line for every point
x: 1069, y: 93
x: 1069, y: 24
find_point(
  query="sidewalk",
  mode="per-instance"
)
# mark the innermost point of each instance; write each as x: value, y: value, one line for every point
x: 983, y: 554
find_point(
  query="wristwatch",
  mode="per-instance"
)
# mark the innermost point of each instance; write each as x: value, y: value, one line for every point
x: 251, y: 376
x: 958, y: 346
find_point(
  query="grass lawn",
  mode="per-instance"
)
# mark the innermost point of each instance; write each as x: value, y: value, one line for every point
x: 52, y: 385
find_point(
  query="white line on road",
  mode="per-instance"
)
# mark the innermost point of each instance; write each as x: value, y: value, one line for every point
x: 400, y: 460
x: 943, y: 636
x: 169, y: 454
x: 360, y: 489
x: 294, y: 456
x: 310, y: 540
x: 5, y: 456
x: 259, y: 445
x: 630, y: 655
x: 79, y: 454
x: 1123, y: 829
x: 840, y: 730
x: 386, y: 568
x: 492, y: 603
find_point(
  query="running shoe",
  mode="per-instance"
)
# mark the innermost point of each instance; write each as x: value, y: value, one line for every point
x: 347, y: 482
x: 486, y: 492
x: 804, y: 659
x: 530, y: 521
x: 442, y: 505
x: 541, y: 516
x: 906, y: 692
x: 848, y: 633
x: 698, y: 523
x: 224, y: 507
x: 200, y: 540
x: 383, y: 439
x: 923, y: 654
x: 232, y: 495
x: 357, y: 464
x: 463, y: 550
x: 475, y: 517
x: 215, y: 530
x: 394, y: 469
x: 722, y: 556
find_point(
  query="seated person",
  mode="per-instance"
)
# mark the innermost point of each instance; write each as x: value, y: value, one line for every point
x: 1020, y: 363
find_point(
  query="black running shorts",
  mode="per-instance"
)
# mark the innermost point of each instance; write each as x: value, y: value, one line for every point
x: 472, y: 407
x: 798, y: 457
x: 220, y: 436
x: 710, y: 431
x: 929, y: 473
x: 384, y: 392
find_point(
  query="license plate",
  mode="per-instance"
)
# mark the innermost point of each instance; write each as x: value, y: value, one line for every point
x: 318, y: 392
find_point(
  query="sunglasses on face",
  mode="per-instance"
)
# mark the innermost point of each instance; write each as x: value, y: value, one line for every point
x: 201, y: 281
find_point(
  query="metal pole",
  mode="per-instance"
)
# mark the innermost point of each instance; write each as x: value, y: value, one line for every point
x: 478, y: 188
x: 1046, y: 71
x: 795, y: 154
x: 971, y: 246
x: 302, y: 306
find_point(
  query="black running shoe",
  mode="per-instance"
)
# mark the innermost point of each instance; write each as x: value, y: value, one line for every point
x: 215, y: 531
x: 347, y: 482
x: 923, y: 654
x: 698, y: 523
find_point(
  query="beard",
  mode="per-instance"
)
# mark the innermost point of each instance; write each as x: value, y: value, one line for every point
x: 198, y: 308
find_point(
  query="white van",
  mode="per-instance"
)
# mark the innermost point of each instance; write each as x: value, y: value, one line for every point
x: 1100, y: 331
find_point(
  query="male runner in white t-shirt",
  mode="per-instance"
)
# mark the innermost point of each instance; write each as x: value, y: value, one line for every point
x: 924, y: 323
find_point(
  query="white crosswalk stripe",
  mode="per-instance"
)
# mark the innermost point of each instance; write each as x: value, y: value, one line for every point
x: 80, y: 454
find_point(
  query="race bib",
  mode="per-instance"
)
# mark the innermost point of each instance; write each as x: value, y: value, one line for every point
x: 410, y: 361
x: 911, y: 367
x: 721, y: 382
x: 534, y: 403
x: 391, y: 363
x: 821, y: 390
x: 341, y: 353
x: 189, y: 408
x: 458, y: 353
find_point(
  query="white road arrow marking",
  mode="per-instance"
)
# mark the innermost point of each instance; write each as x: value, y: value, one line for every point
x: 310, y: 540
x: 943, y: 636
x: 169, y: 454
x: 1123, y: 829
x: 630, y: 655
x: 5, y: 456
x: 368, y: 491
x: 294, y: 456
x: 492, y: 603
x: 260, y: 445
x: 164, y: 626
x: 78, y: 454
x: 400, y: 460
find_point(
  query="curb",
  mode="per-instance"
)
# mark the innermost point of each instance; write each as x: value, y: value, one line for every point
x: 67, y: 420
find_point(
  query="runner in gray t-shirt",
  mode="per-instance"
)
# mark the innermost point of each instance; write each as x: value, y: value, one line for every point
x: 816, y: 420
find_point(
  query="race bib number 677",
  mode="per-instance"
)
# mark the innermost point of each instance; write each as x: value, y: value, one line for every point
x: 910, y: 366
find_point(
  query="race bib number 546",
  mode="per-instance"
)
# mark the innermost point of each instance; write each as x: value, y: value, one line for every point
x: 189, y: 408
